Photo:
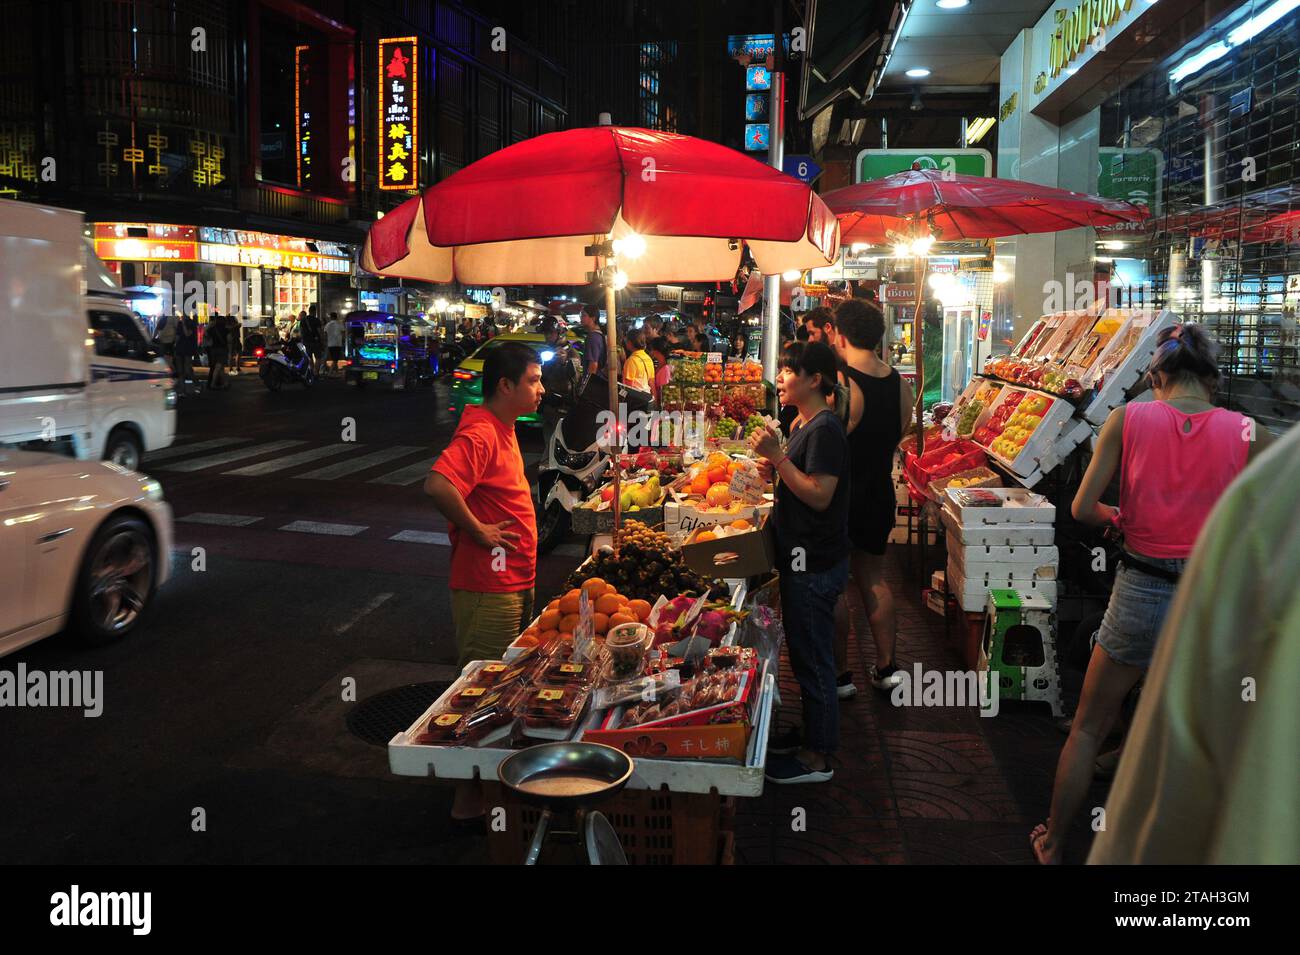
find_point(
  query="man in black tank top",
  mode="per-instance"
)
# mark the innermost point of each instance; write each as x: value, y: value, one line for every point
x: 880, y: 402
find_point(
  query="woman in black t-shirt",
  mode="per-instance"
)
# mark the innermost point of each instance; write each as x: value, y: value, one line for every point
x: 810, y: 520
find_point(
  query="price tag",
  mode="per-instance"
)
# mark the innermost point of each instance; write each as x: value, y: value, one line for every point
x: 746, y: 485
x: 715, y: 358
x: 584, y: 633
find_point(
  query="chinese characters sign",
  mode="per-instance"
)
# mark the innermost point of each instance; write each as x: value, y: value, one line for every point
x: 398, y: 116
x: 302, y: 113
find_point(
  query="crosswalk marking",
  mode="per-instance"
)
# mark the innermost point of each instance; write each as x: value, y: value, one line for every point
x: 220, y: 520
x: 320, y: 527
x: 292, y: 460
x: 422, y: 537
x: 353, y: 465
x: 177, y: 450
x: 407, y: 475
x: 227, y: 457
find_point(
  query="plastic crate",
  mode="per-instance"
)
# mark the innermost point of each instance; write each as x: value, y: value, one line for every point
x: 656, y: 827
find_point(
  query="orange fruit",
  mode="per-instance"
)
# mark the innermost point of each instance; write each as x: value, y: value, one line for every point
x: 594, y: 587
x: 569, y: 622
x: 700, y: 485
x: 526, y: 640
x: 548, y: 637
x: 600, y: 622
x: 718, y: 474
x: 718, y: 496
x: 639, y: 607
x: 554, y: 604
x: 705, y: 536
x: 549, y: 620
x: 569, y: 602
x: 620, y: 618
x: 608, y: 603
x: 565, y: 636
x: 741, y: 525
x: 610, y: 589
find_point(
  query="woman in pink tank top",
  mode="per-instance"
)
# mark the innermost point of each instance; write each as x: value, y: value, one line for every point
x: 1176, y: 455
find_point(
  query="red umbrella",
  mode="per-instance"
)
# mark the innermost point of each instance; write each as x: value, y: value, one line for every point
x: 918, y: 202
x: 525, y: 215
x: 932, y: 203
x: 544, y: 212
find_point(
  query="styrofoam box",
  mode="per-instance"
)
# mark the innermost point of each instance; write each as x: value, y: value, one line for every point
x: 972, y: 592
x: 1018, y: 507
x: 1036, y: 555
x: 1040, y: 443
x: 1041, y: 562
x: 687, y: 776
x: 999, y: 535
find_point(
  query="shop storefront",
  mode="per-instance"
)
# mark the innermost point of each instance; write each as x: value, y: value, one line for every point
x: 264, y: 277
x: 1189, y: 108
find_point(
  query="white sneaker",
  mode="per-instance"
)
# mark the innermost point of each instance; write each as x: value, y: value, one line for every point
x: 886, y: 682
x: 844, y: 688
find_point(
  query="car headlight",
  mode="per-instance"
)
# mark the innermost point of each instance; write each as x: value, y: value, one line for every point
x: 152, y: 489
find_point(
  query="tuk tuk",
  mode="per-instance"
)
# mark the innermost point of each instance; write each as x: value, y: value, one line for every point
x: 399, y: 351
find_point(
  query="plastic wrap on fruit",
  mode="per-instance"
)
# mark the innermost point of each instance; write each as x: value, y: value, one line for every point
x: 1072, y: 389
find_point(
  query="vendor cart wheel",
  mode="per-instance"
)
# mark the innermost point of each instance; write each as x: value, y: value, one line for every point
x: 552, y: 527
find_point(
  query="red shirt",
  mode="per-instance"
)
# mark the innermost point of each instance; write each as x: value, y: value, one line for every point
x: 484, y: 464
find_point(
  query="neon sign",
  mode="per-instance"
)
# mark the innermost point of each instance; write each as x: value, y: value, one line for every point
x: 398, y: 114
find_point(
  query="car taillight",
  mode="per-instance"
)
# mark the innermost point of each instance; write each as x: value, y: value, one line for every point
x: 259, y: 352
x: 460, y: 375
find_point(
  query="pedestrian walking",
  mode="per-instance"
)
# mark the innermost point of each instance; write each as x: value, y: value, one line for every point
x: 312, y: 335
x: 216, y: 339
x: 234, y: 344
x: 164, y: 337
x: 187, y: 349
x: 334, y: 343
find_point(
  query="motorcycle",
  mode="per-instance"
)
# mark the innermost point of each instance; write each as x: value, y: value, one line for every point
x: 573, y: 463
x: 285, y: 365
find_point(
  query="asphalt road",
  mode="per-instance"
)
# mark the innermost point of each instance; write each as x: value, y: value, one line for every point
x: 224, y: 734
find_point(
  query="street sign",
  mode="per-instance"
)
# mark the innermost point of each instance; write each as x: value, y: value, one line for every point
x: 801, y: 167
x: 1132, y: 174
x: 879, y: 163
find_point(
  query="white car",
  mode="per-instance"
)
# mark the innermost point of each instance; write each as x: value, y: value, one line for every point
x: 82, y: 543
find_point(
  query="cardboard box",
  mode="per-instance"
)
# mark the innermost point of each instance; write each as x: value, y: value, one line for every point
x: 745, y: 554
x: 681, y: 519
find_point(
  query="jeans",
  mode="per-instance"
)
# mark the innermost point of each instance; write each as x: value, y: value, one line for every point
x: 808, y: 612
x: 1138, y: 605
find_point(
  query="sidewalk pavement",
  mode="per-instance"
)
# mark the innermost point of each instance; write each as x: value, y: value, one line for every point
x: 927, y: 785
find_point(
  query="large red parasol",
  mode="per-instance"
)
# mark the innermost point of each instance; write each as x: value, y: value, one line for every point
x: 933, y: 204
x: 917, y: 202
x: 525, y: 215
x: 632, y: 205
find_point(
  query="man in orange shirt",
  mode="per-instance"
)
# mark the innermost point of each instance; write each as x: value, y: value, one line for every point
x: 479, y: 486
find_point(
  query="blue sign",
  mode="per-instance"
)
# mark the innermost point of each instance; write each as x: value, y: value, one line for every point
x: 757, y: 136
x: 755, y: 44
x: 758, y: 78
x: 756, y: 107
x: 801, y: 167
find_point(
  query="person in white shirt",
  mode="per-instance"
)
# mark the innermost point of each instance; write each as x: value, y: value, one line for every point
x: 334, y: 342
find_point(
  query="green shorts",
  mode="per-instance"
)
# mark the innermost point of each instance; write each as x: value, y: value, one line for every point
x: 487, y: 623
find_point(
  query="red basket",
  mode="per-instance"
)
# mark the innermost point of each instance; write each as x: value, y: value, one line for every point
x: 939, y: 462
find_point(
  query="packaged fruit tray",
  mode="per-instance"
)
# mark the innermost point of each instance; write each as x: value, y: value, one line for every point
x: 1022, y: 428
x: 1123, y: 361
x: 973, y: 477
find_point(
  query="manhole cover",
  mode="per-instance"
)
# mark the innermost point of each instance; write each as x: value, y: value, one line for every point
x: 378, y: 718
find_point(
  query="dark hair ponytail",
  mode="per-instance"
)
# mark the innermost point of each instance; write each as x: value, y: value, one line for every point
x: 1183, y: 353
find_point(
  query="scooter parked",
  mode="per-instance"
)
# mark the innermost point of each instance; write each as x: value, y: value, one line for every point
x: 288, y: 364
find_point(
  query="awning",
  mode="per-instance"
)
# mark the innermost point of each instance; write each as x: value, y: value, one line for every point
x: 843, y: 43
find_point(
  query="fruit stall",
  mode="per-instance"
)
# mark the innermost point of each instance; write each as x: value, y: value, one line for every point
x: 641, y: 652
x: 1013, y: 426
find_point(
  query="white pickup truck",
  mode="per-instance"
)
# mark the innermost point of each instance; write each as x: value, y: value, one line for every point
x: 76, y: 368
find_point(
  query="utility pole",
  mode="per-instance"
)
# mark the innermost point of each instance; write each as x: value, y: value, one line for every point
x: 775, y: 158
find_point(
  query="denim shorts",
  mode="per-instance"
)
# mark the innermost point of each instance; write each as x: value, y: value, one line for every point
x: 1138, y: 605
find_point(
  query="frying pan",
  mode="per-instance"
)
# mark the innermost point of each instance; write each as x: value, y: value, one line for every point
x: 563, y: 776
